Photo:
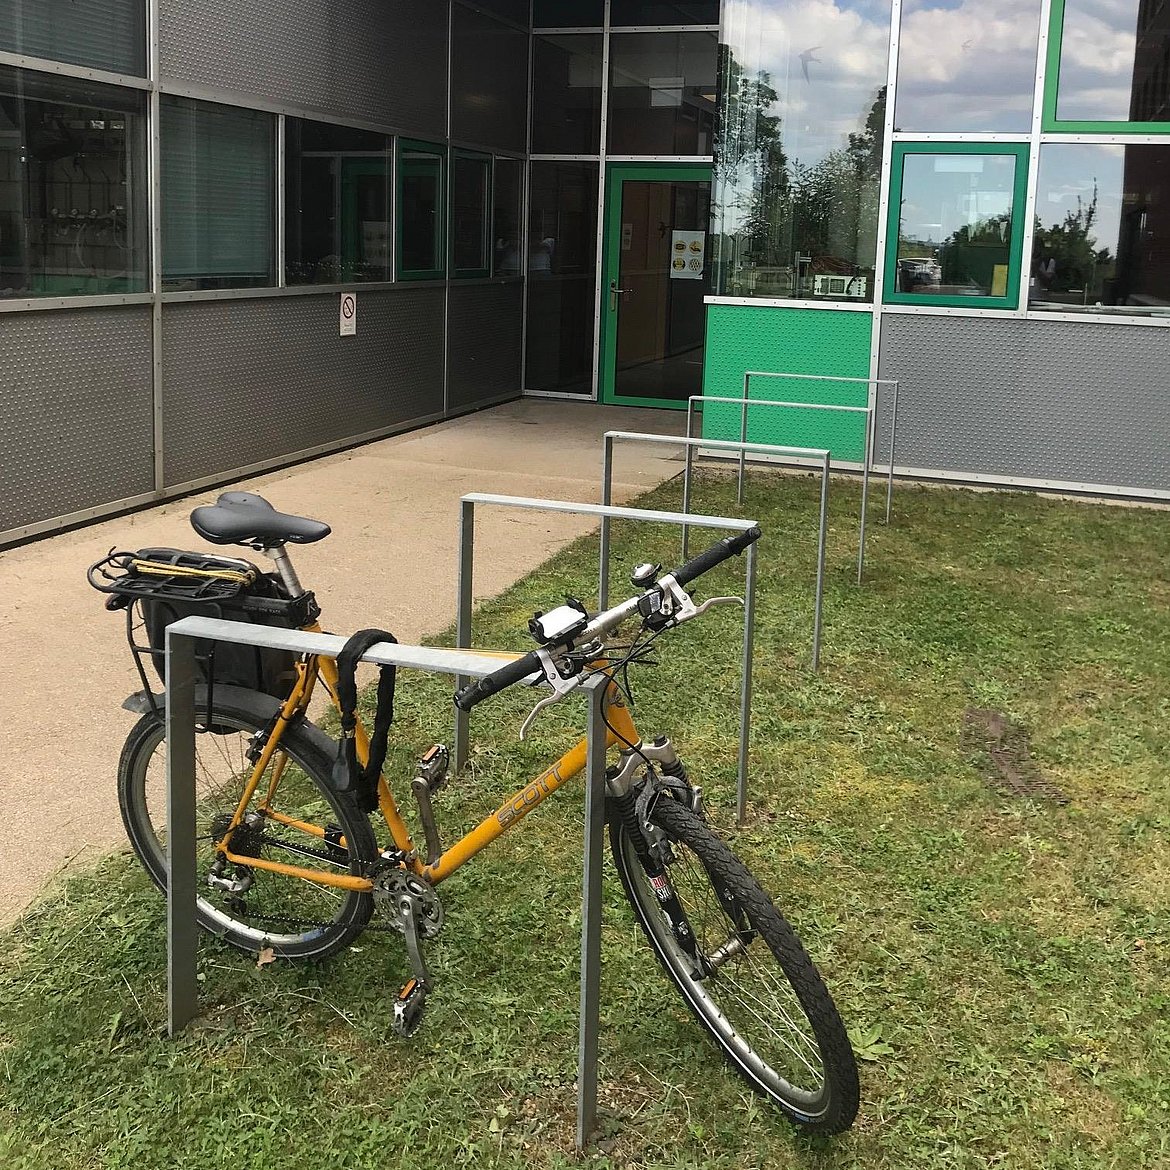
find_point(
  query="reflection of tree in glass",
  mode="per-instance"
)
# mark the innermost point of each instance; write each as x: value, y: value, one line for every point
x: 1066, y: 257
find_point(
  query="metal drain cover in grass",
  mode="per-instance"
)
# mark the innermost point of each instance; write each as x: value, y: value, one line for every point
x: 1009, y: 767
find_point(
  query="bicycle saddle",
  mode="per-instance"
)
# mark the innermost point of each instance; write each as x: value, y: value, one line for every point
x: 246, y: 518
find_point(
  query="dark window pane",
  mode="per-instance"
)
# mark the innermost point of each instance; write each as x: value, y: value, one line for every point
x: 562, y: 272
x: 568, y: 13
x: 489, y: 81
x: 420, y: 210
x: 1114, y: 63
x: 217, y: 195
x: 469, y: 214
x: 955, y: 230
x: 664, y: 12
x: 967, y: 66
x: 103, y: 34
x: 662, y: 93
x: 337, y: 218
x: 72, y: 187
x: 1102, y: 229
x: 566, y: 95
x: 514, y: 10
x: 798, y: 163
x: 506, y: 203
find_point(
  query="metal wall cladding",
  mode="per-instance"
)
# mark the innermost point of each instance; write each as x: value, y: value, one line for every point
x: 486, y: 338
x: 1077, y: 402
x: 76, y: 411
x: 383, y: 61
x: 246, y: 381
x: 489, y: 81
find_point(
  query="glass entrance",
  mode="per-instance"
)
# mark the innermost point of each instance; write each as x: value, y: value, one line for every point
x: 654, y: 280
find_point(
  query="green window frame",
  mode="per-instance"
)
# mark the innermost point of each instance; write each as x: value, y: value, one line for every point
x: 1011, y: 299
x: 485, y: 226
x: 412, y: 167
x: 1051, y: 123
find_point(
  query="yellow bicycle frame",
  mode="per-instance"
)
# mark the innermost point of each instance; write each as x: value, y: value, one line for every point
x: 510, y: 813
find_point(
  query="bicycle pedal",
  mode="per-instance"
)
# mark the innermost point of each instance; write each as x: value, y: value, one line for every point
x: 408, y: 1007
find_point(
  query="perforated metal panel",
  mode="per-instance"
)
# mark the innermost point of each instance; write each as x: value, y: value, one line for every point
x: 76, y: 415
x: 1078, y: 402
x: 252, y: 380
x: 489, y: 81
x: 486, y: 324
x: 383, y: 61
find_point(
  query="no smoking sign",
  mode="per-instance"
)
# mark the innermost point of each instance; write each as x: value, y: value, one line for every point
x: 348, y: 316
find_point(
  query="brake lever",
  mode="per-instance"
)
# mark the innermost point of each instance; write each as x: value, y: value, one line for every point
x: 702, y: 609
x: 547, y: 701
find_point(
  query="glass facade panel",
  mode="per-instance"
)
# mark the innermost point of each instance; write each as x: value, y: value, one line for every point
x: 1114, y: 61
x: 337, y: 199
x: 955, y: 236
x: 1102, y: 240
x: 662, y: 93
x: 470, y: 209
x: 566, y: 94
x: 420, y: 211
x: 73, y: 207
x: 568, y: 13
x: 103, y: 34
x: 562, y: 276
x: 507, y: 205
x: 627, y: 12
x: 218, y: 196
x: 967, y: 66
x: 798, y: 161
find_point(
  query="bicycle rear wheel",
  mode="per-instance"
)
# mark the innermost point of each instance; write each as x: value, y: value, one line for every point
x: 297, y: 918
x: 754, y: 989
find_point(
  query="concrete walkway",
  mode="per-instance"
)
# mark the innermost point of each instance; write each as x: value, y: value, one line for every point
x: 390, y: 562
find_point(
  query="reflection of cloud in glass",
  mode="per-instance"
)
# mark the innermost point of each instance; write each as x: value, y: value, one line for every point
x: 1071, y: 171
x: 1097, y: 59
x: 967, y: 65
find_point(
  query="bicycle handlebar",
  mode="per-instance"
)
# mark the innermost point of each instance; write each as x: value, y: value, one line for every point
x: 603, y: 623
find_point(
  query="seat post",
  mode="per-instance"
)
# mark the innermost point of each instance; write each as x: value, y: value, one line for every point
x: 284, y: 567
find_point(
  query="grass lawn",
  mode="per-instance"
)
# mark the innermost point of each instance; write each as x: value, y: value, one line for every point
x: 993, y: 919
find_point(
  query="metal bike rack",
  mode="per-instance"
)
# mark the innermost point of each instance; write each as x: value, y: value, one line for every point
x: 182, y: 927
x: 605, y: 512
x: 823, y: 456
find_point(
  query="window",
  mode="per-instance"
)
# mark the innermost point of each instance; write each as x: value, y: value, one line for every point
x: 507, y: 201
x: 1109, y: 66
x: 633, y: 12
x: 421, y: 210
x: 103, y: 34
x: 566, y: 94
x: 957, y: 233
x: 799, y: 161
x: 967, y: 66
x: 1102, y: 240
x: 568, y: 13
x: 218, y: 196
x: 337, y: 200
x: 471, y: 185
x: 73, y: 216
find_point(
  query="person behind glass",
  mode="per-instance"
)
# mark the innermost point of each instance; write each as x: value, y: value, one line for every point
x: 1043, y: 272
x: 507, y: 258
x: 540, y: 255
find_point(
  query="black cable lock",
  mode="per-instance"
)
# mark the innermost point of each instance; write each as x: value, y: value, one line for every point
x: 348, y: 774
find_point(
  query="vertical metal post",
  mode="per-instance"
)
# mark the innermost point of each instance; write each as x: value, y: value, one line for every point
x: 688, y: 466
x: 606, y: 498
x: 867, y: 458
x: 591, y: 917
x: 745, y: 705
x: 463, y: 621
x: 743, y: 421
x: 893, y: 434
x: 182, y: 931
x: 821, y: 540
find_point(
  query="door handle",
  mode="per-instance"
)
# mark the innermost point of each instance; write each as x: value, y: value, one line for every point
x: 614, y: 293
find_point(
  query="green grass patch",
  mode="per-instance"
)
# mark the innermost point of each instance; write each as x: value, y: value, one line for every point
x: 1001, y: 961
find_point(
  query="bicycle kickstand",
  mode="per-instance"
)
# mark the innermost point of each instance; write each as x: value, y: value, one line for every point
x: 408, y: 1007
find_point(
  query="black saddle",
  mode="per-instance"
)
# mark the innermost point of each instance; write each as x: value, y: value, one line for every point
x: 246, y: 518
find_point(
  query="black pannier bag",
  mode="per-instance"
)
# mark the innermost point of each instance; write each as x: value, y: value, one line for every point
x: 161, y: 585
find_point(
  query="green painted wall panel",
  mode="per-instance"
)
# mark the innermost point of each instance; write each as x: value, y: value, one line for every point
x: 789, y: 341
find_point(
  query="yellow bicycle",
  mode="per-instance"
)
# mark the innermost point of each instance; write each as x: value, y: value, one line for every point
x: 289, y: 858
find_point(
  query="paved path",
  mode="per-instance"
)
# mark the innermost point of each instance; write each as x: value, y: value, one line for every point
x: 391, y: 561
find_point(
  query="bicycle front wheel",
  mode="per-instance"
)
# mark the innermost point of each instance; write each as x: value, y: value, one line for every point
x: 751, y: 984
x: 250, y: 907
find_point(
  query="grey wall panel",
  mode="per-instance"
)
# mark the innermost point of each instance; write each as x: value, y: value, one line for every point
x: 486, y: 324
x: 252, y: 380
x: 383, y: 61
x: 76, y: 411
x: 489, y: 81
x: 1080, y: 402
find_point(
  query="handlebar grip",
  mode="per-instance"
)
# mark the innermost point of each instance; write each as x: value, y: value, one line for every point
x: 506, y: 676
x: 719, y: 552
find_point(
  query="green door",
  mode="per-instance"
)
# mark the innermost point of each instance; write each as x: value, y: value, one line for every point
x: 656, y: 258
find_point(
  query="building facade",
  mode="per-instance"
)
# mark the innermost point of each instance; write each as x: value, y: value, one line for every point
x: 629, y: 200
